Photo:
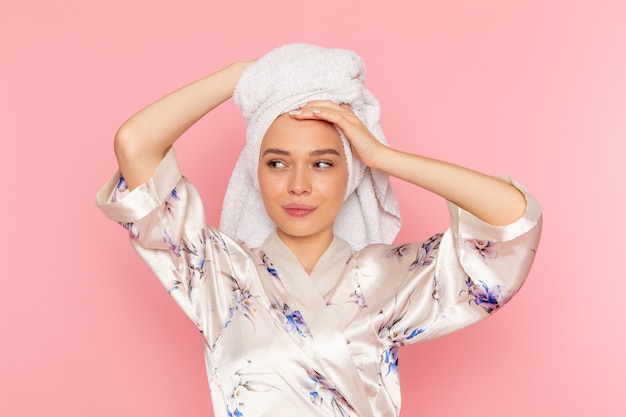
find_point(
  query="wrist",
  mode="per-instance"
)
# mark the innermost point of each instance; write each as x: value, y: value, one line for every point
x: 238, y: 67
x: 380, y: 158
x: 232, y: 73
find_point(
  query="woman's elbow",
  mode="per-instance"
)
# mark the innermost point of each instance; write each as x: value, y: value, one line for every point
x: 126, y: 143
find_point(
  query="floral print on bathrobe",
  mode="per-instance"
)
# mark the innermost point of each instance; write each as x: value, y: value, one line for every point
x: 280, y: 342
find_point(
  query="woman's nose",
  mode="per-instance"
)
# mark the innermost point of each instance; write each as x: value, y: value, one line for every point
x: 300, y: 181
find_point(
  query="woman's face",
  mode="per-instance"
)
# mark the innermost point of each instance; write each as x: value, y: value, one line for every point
x: 303, y: 177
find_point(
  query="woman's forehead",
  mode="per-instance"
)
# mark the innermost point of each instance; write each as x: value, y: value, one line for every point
x: 286, y: 132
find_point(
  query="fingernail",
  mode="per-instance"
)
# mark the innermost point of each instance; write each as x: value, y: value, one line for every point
x: 295, y: 112
x: 317, y: 111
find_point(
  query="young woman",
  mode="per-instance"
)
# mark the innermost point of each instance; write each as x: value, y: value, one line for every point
x: 301, y: 300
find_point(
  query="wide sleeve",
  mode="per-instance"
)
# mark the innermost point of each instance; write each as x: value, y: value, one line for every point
x: 423, y: 290
x: 167, y: 227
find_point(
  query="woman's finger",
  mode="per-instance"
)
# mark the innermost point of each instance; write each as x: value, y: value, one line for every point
x: 320, y: 103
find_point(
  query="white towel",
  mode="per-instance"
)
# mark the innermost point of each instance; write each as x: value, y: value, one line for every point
x: 279, y: 82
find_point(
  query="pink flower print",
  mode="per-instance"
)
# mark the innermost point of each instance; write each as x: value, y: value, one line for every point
x: 438, y: 289
x: 357, y: 296
x: 485, y: 248
x: 399, y: 252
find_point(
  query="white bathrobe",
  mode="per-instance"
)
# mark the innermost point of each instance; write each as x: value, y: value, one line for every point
x: 279, y: 342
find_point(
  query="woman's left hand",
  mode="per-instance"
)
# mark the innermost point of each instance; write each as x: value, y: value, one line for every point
x: 490, y: 199
x: 364, y: 145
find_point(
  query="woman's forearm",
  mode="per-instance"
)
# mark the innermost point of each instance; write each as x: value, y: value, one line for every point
x: 491, y: 199
x: 142, y: 141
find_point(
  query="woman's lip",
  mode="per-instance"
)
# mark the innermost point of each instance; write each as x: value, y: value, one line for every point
x: 298, y: 210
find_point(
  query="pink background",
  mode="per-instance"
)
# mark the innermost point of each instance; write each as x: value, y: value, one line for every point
x: 534, y: 89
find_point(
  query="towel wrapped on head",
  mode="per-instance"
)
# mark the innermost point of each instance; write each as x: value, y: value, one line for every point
x: 279, y: 82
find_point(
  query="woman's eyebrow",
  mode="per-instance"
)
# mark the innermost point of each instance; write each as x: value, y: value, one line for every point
x: 317, y: 152
x: 320, y: 152
x: 275, y: 151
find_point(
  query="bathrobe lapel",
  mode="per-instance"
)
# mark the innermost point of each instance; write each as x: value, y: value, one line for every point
x: 327, y: 345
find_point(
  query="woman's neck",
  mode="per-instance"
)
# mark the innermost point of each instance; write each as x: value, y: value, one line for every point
x: 308, y: 249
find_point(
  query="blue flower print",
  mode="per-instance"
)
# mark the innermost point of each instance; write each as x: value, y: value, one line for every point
x: 391, y: 359
x: 121, y: 186
x: 489, y: 299
x: 173, y: 246
x: 293, y: 321
x: 234, y: 413
x: 269, y: 266
x: 394, y: 333
x: 425, y: 254
x: 194, y: 255
x: 174, y: 285
x: 398, y: 335
x: 168, y: 204
x: 120, y: 191
x: 174, y: 195
x: 324, y: 391
x: 133, y: 231
x: 485, y: 248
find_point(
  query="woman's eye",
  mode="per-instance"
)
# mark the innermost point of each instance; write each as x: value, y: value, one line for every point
x: 323, y: 164
x: 276, y: 164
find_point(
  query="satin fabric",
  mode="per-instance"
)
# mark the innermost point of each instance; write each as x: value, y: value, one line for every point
x: 280, y: 342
